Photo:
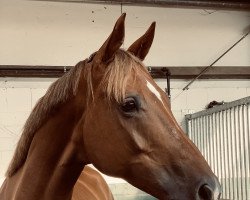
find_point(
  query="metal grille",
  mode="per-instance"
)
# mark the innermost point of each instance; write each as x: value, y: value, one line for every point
x: 222, y: 134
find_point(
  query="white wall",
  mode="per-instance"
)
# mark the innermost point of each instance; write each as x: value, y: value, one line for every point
x: 34, y: 32
x: 43, y: 33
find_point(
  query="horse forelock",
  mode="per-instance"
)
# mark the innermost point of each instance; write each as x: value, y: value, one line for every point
x: 116, y: 76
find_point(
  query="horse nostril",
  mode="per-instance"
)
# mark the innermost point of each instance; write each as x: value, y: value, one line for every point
x: 205, y: 193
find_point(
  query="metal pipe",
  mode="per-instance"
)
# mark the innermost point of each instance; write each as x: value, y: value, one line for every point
x: 225, y: 152
x: 209, y: 4
x: 221, y: 150
x: 236, y: 146
x: 211, y: 65
x: 247, y: 149
x: 226, y: 135
x: 241, y: 152
x: 220, y: 5
x: 231, y: 133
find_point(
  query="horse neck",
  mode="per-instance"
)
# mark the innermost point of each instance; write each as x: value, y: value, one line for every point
x: 55, y: 158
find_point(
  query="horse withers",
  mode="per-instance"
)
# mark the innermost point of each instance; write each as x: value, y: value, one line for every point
x: 109, y: 112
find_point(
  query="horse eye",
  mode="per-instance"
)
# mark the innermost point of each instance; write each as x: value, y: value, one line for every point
x: 129, y: 105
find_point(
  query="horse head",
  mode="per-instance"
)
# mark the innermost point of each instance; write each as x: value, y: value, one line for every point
x: 129, y: 130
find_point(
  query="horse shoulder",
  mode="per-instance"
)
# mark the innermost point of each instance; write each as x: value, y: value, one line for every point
x: 91, y: 185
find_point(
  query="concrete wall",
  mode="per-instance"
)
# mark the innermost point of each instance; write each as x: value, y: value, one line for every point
x: 43, y: 33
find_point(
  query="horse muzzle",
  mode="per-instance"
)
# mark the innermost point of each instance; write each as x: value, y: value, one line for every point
x: 209, y: 191
x: 206, y: 190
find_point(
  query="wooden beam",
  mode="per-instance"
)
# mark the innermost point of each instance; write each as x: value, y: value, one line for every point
x: 212, y: 73
x: 156, y: 72
x: 33, y: 71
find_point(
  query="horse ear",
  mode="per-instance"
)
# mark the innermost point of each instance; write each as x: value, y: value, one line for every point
x: 141, y: 46
x: 113, y: 43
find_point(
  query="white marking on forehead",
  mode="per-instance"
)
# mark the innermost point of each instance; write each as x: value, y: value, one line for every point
x: 154, y: 91
x: 158, y: 95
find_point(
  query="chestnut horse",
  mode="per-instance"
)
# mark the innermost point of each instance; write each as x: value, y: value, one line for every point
x: 108, y: 111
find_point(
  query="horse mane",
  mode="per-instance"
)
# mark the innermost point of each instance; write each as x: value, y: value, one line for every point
x: 59, y: 92
x: 117, y: 73
x: 114, y: 82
